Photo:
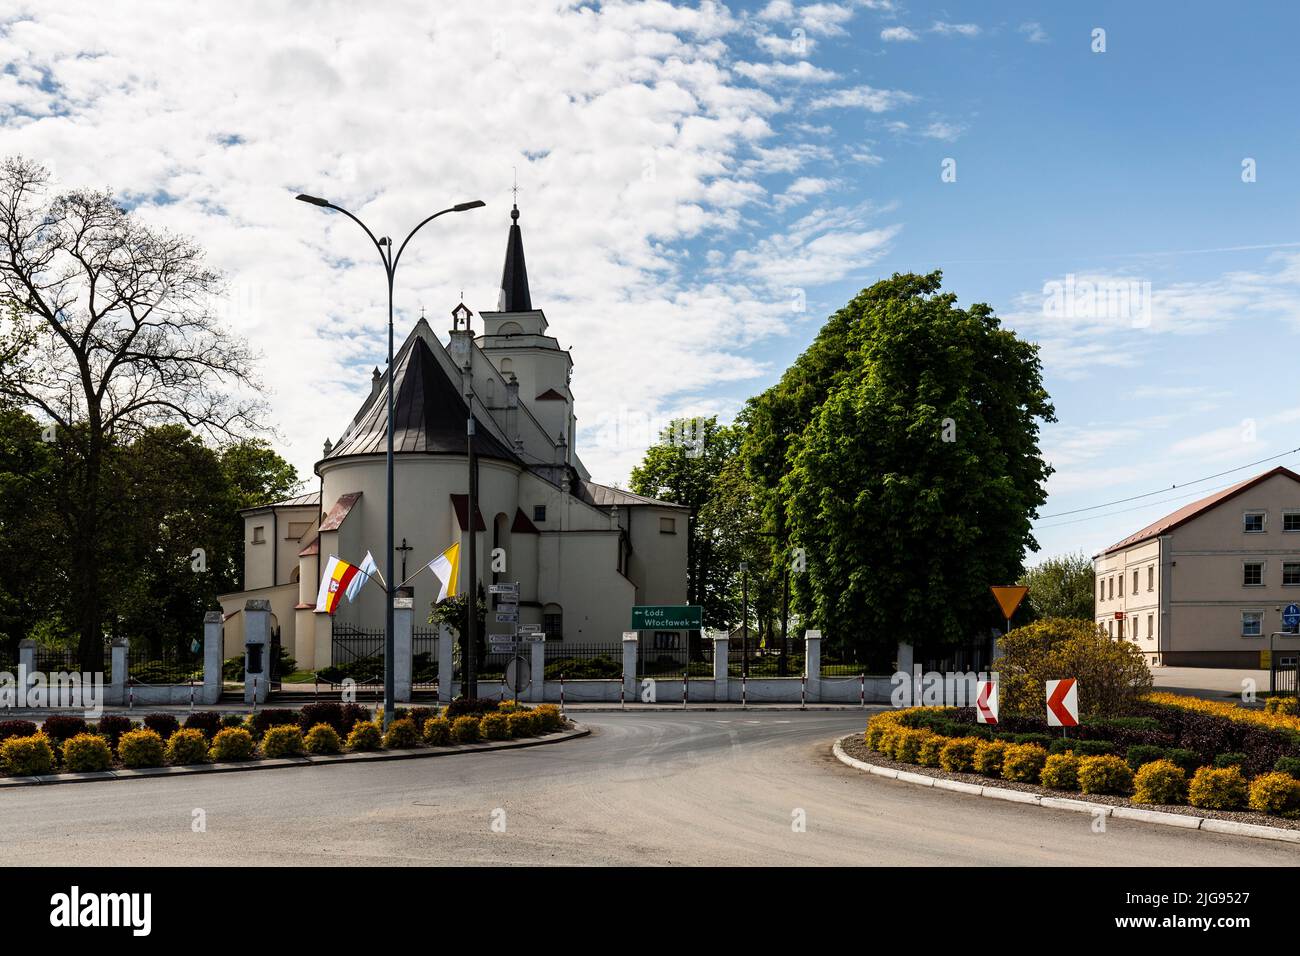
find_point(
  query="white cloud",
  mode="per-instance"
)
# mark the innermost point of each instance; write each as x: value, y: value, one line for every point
x: 863, y: 97
x: 1033, y: 31
x: 801, y: 190
x: 802, y: 71
x: 898, y: 34
x: 944, y: 131
x: 957, y: 29
x: 824, y: 246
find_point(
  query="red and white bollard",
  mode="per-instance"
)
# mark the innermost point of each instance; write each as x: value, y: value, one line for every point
x: 684, y: 690
x: 622, y: 696
x: 561, y: 695
x: 862, y: 690
x: 803, y: 692
x: 744, y: 699
x: 191, y: 698
x: 130, y: 700
x: 254, y: 695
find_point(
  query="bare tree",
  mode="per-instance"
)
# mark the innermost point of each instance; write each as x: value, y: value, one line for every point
x: 111, y: 330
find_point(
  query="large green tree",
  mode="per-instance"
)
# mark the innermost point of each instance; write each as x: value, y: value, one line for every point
x: 31, y: 539
x: 1060, y: 587
x: 684, y: 467
x: 909, y: 472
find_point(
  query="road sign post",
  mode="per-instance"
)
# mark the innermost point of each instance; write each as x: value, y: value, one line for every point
x: 1063, y: 703
x: 986, y: 702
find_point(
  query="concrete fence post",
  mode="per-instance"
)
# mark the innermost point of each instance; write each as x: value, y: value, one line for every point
x: 721, y: 664
x: 631, y: 641
x: 257, y: 631
x: 446, y: 664
x: 403, y: 624
x: 212, y: 662
x: 26, y: 664
x: 812, y: 663
x: 906, y: 658
x: 120, y: 664
x: 536, y: 666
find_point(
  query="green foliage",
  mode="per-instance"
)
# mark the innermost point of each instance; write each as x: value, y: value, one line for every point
x: 1230, y: 760
x: 365, y: 735
x: 1140, y: 754
x: 86, y: 752
x: 494, y: 727
x: 1160, y: 781
x: 1289, y: 765
x: 232, y: 743
x: 465, y: 730
x: 1189, y: 760
x: 187, y: 746
x: 141, y: 748
x: 322, y: 739
x: 958, y: 755
x: 522, y: 723
x: 988, y: 757
x: 1060, y: 772
x: 904, y: 530
x: 27, y: 756
x: 1084, y: 748
x: 1218, y: 788
x: 550, y: 717
x: 1058, y: 587
x: 1111, y: 674
x: 401, y: 735
x: 437, y: 731
x: 283, y: 740
x: 1105, y: 774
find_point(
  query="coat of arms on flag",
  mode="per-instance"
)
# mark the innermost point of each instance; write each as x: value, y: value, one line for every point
x: 333, y: 583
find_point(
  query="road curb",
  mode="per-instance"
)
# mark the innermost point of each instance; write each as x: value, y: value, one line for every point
x: 1180, y: 821
x: 279, y: 763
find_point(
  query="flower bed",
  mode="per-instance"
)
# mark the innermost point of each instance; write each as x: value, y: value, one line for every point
x: 118, y: 743
x: 1165, y: 756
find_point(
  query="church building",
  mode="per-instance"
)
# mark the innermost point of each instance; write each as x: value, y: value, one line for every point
x: 583, y: 553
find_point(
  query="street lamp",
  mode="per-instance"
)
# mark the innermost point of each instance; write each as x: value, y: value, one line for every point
x: 390, y: 260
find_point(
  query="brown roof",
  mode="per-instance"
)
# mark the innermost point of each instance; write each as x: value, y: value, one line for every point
x: 551, y: 395
x: 313, y: 548
x: 1187, y: 512
x: 460, y: 503
x: 340, y: 511
x: 522, y: 525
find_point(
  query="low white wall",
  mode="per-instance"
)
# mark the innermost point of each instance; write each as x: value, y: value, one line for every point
x: 146, y: 694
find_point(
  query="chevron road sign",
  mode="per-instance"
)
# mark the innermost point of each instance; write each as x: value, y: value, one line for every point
x: 1063, y: 702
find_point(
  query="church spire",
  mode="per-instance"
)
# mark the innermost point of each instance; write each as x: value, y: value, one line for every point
x: 514, y: 277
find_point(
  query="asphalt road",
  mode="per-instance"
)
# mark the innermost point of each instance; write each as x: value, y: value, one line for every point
x: 654, y: 789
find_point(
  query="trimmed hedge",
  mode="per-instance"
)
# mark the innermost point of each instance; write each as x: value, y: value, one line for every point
x: 86, y: 752
x: 958, y: 755
x: 365, y: 735
x: 1160, y: 781
x: 1218, y: 788
x: 465, y: 729
x: 28, y: 756
x: 187, y: 746
x: 988, y: 757
x: 1275, y: 793
x: 437, y: 732
x: 402, y: 734
x: 141, y: 748
x: 1023, y: 763
x: 322, y: 739
x: 282, y: 740
x: 232, y: 743
x: 1060, y: 772
x: 1105, y: 774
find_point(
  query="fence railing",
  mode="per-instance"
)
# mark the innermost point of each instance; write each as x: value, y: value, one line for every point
x: 670, y: 659
x: 583, y: 661
x: 766, y: 660
x: 52, y: 660
x: 424, y: 658
x: 167, y: 665
x: 1282, y: 679
x: 357, y: 653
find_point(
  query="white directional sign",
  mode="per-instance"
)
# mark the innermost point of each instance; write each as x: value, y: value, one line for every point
x: 508, y: 618
x: 986, y: 702
x: 508, y: 588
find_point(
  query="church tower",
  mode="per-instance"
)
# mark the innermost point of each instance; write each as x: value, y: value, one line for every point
x: 514, y: 339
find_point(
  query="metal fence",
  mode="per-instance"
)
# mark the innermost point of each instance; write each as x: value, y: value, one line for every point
x: 357, y: 653
x: 1282, y: 678
x: 424, y: 658
x: 583, y: 661
x: 52, y: 660
x: 666, y: 657
x: 166, y: 665
x: 767, y: 660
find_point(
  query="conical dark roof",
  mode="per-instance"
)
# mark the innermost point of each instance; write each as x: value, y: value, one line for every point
x: 429, y: 414
x: 514, y: 277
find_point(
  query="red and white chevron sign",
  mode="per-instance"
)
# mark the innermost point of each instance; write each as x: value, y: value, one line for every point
x: 986, y: 702
x: 1063, y: 702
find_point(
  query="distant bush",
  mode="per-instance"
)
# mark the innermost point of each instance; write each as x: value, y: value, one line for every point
x: 420, y: 715
x: 1218, y: 788
x: 27, y: 756
x: 1288, y: 706
x: 282, y: 740
x: 1105, y: 774
x: 1230, y: 760
x: 263, y: 720
x: 1189, y: 760
x: 187, y: 746
x: 60, y: 727
x: 1084, y: 748
x: 494, y: 726
x: 1141, y: 754
x: 322, y: 739
x: 470, y: 706
x: 164, y: 725
x: 111, y: 727
x: 522, y: 723
x: 365, y: 735
x: 1160, y: 781
x: 232, y: 743
x: 437, y: 731
x: 207, y: 722
x: 141, y: 748
x: 1288, y: 765
x: 1060, y: 772
x: 465, y: 729
x: 1276, y: 793
x: 232, y: 720
x: 401, y: 735
x: 16, y: 728
x: 550, y: 717
x: 86, y: 752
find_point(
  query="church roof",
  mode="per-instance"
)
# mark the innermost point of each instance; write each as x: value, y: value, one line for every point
x: 604, y: 496
x: 514, y: 276
x: 429, y: 413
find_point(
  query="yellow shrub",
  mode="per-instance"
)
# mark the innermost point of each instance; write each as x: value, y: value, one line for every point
x: 86, y: 752
x: 988, y: 757
x: 1276, y: 793
x: 1218, y: 788
x: 322, y: 739
x: 907, y: 744
x: 27, y: 756
x: 1160, y: 781
x: 1060, y: 772
x: 437, y: 731
x: 1105, y: 774
x: 1287, y: 706
x: 958, y: 754
x: 141, y: 748
x: 365, y: 735
x: 1240, y: 715
x: 927, y: 755
x: 401, y: 735
x: 551, y: 718
x: 186, y: 746
x: 232, y: 743
x: 1023, y: 762
x: 522, y: 723
x: 282, y: 741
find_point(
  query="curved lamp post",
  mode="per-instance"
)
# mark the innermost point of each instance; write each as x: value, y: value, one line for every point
x: 386, y: 255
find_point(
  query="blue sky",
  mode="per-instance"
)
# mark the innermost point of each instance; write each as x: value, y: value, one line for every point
x: 687, y: 171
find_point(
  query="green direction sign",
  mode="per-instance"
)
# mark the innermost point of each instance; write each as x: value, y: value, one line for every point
x: 666, y: 617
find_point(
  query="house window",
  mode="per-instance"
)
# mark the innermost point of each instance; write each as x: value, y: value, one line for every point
x: 1135, y: 581
x: 553, y: 623
x: 1253, y: 522
x: 1112, y: 588
x: 1252, y: 574
x: 1291, y: 573
x: 1135, y: 627
x: 1101, y: 589
x: 259, y: 535
x: 1110, y: 629
x: 1121, y: 585
x: 1151, y: 577
x: 667, y: 525
x: 1121, y: 629
x: 1252, y: 623
x: 539, y: 512
x: 1291, y: 521
x: 1151, y: 626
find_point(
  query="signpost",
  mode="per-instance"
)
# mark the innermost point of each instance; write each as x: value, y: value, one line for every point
x: 667, y: 617
x: 986, y: 702
x: 1063, y: 702
x: 1291, y: 616
x: 1009, y: 598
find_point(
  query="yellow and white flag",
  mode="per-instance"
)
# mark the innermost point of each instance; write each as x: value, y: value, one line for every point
x: 446, y: 567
